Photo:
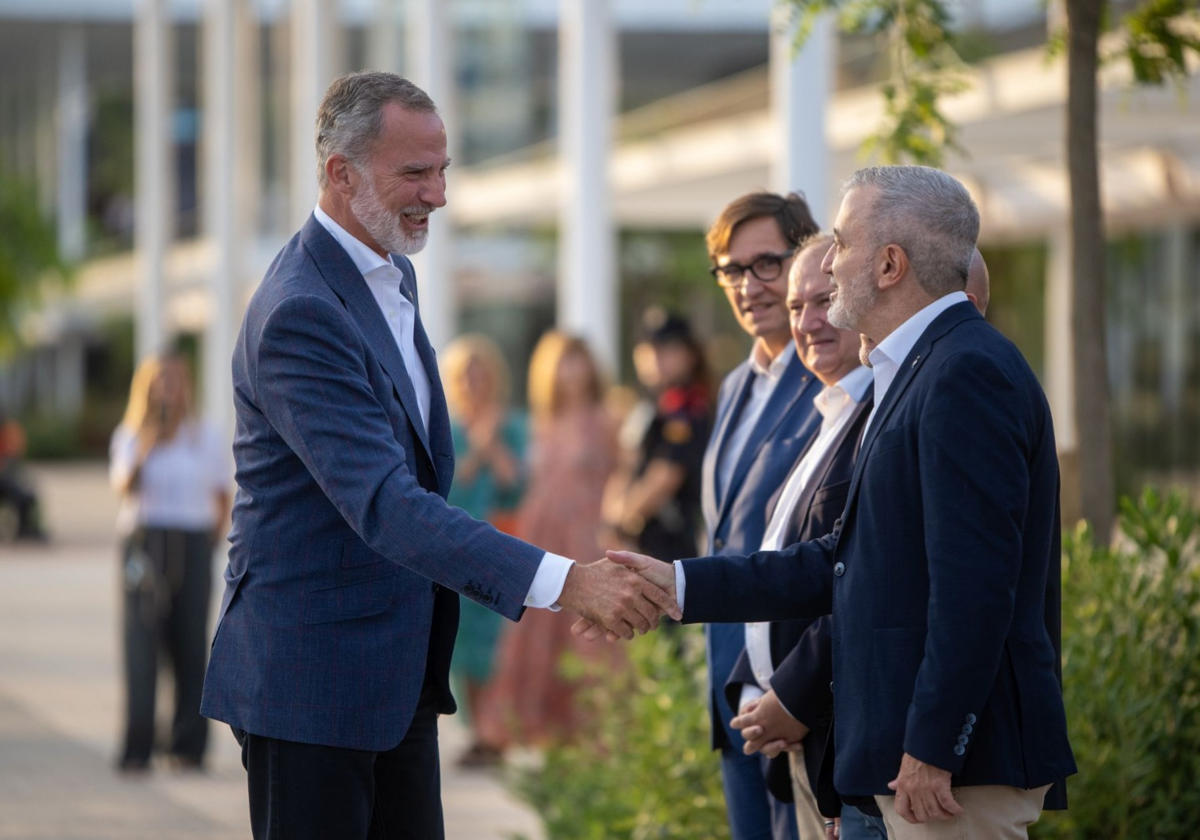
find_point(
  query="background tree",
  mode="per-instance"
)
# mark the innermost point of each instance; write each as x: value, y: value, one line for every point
x: 1154, y: 36
x: 29, y: 259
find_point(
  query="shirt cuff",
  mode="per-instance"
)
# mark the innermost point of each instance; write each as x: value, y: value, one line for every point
x: 680, y: 584
x: 749, y: 692
x: 548, y: 582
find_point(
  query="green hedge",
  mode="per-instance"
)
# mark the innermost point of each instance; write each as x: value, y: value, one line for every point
x: 1131, y: 676
x: 645, y: 771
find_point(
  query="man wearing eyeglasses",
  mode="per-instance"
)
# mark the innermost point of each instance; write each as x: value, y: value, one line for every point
x: 765, y: 418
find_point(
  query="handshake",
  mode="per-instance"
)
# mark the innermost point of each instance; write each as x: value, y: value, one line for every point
x: 620, y: 596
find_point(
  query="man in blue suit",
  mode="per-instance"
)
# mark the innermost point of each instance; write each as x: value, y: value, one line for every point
x: 943, y: 575
x: 765, y: 418
x: 333, y: 644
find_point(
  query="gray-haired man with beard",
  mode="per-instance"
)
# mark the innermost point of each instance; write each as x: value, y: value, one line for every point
x: 334, y: 637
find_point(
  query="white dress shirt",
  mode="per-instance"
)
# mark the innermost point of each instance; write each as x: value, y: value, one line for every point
x: 766, y: 373
x: 887, y: 357
x: 836, y: 403
x: 383, y: 279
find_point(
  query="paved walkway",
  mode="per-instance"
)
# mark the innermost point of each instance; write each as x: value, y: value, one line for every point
x: 59, y: 696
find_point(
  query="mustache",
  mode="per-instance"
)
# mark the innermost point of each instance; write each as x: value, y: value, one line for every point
x: 417, y: 210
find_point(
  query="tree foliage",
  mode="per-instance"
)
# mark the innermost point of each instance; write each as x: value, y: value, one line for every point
x: 923, y: 66
x: 1131, y: 675
x: 29, y: 258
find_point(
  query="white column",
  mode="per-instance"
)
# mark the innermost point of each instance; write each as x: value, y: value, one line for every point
x: 430, y: 60
x: 220, y: 204
x: 1060, y: 358
x: 587, y: 288
x: 316, y: 33
x: 800, y: 85
x: 71, y: 200
x: 154, y: 173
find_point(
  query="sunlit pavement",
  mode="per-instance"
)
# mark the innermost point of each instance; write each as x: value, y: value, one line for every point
x: 60, y: 691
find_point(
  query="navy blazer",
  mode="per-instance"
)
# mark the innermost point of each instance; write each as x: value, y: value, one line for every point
x: 733, y: 515
x: 338, y: 602
x: 802, y: 649
x: 944, y: 576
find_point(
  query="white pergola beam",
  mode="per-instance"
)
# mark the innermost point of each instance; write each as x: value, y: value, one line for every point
x: 587, y: 288
x: 800, y: 86
x: 430, y: 66
x: 154, y: 174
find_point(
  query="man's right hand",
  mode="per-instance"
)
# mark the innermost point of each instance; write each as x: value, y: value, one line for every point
x: 614, y: 600
x: 657, y: 573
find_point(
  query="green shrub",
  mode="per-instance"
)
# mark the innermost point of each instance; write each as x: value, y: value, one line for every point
x: 1131, y: 672
x: 645, y: 771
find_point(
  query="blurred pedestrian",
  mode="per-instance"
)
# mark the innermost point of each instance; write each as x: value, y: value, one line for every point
x: 652, y: 502
x: 20, y: 516
x: 489, y: 445
x: 171, y: 471
x: 572, y: 453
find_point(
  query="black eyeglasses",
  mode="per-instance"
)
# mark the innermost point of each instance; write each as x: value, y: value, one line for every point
x: 765, y: 268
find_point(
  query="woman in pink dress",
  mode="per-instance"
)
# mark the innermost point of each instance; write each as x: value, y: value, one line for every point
x: 572, y: 452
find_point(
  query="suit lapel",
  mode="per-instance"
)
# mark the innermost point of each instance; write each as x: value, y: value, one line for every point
x: 711, y: 495
x: 793, y: 386
x: 343, y: 277
x: 439, y: 417
x: 821, y: 475
x: 908, y: 371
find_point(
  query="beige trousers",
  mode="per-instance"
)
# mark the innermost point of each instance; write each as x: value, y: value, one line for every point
x: 808, y: 819
x: 990, y: 812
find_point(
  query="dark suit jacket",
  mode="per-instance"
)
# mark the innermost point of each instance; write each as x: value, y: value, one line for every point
x: 802, y: 649
x: 333, y: 616
x: 944, y: 577
x: 733, y: 515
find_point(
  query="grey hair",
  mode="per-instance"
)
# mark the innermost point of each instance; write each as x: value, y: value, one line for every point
x: 350, y: 118
x: 927, y: 213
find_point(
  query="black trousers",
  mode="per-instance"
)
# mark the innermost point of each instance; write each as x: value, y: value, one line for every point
x: 167, y: 577
x: 313, y: 792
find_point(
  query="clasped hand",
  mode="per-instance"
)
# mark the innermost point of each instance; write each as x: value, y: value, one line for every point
x: 768, y: 727
x: 654, y: 574
x: 616, y: 600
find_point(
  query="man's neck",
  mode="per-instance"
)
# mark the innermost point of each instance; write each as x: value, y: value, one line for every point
x: 768, y: 349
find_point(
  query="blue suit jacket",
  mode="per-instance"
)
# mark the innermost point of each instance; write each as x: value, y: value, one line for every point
x: 944, y: 576
x: 337, y: 605
x: 802, y: 649
x: 734, y: 516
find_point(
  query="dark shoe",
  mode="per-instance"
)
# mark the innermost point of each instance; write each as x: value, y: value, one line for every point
x: 480, y: 755
x: 185, y: 764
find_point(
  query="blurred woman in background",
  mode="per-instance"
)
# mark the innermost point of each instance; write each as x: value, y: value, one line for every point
x: 489, y: 442
x: 652, y: 502
x: 171, y: 471
x: 572, y: 453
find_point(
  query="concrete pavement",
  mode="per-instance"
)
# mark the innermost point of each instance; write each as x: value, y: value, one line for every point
x: 60, y: 694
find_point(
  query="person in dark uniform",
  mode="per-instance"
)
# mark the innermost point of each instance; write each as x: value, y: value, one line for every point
x: 653, y: 499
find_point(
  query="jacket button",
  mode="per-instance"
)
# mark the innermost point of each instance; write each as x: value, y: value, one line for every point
x: 968, y: 729
x: 959, y: 749
x: 839, y: 568
x: 971, y: 719
x: 962, y: 740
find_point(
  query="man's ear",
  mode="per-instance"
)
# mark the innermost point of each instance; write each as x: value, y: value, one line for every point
x: 893, y: 265
x: 342, y: 175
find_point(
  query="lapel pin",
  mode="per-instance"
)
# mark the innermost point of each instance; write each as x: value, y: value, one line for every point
x: 914, y: 364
